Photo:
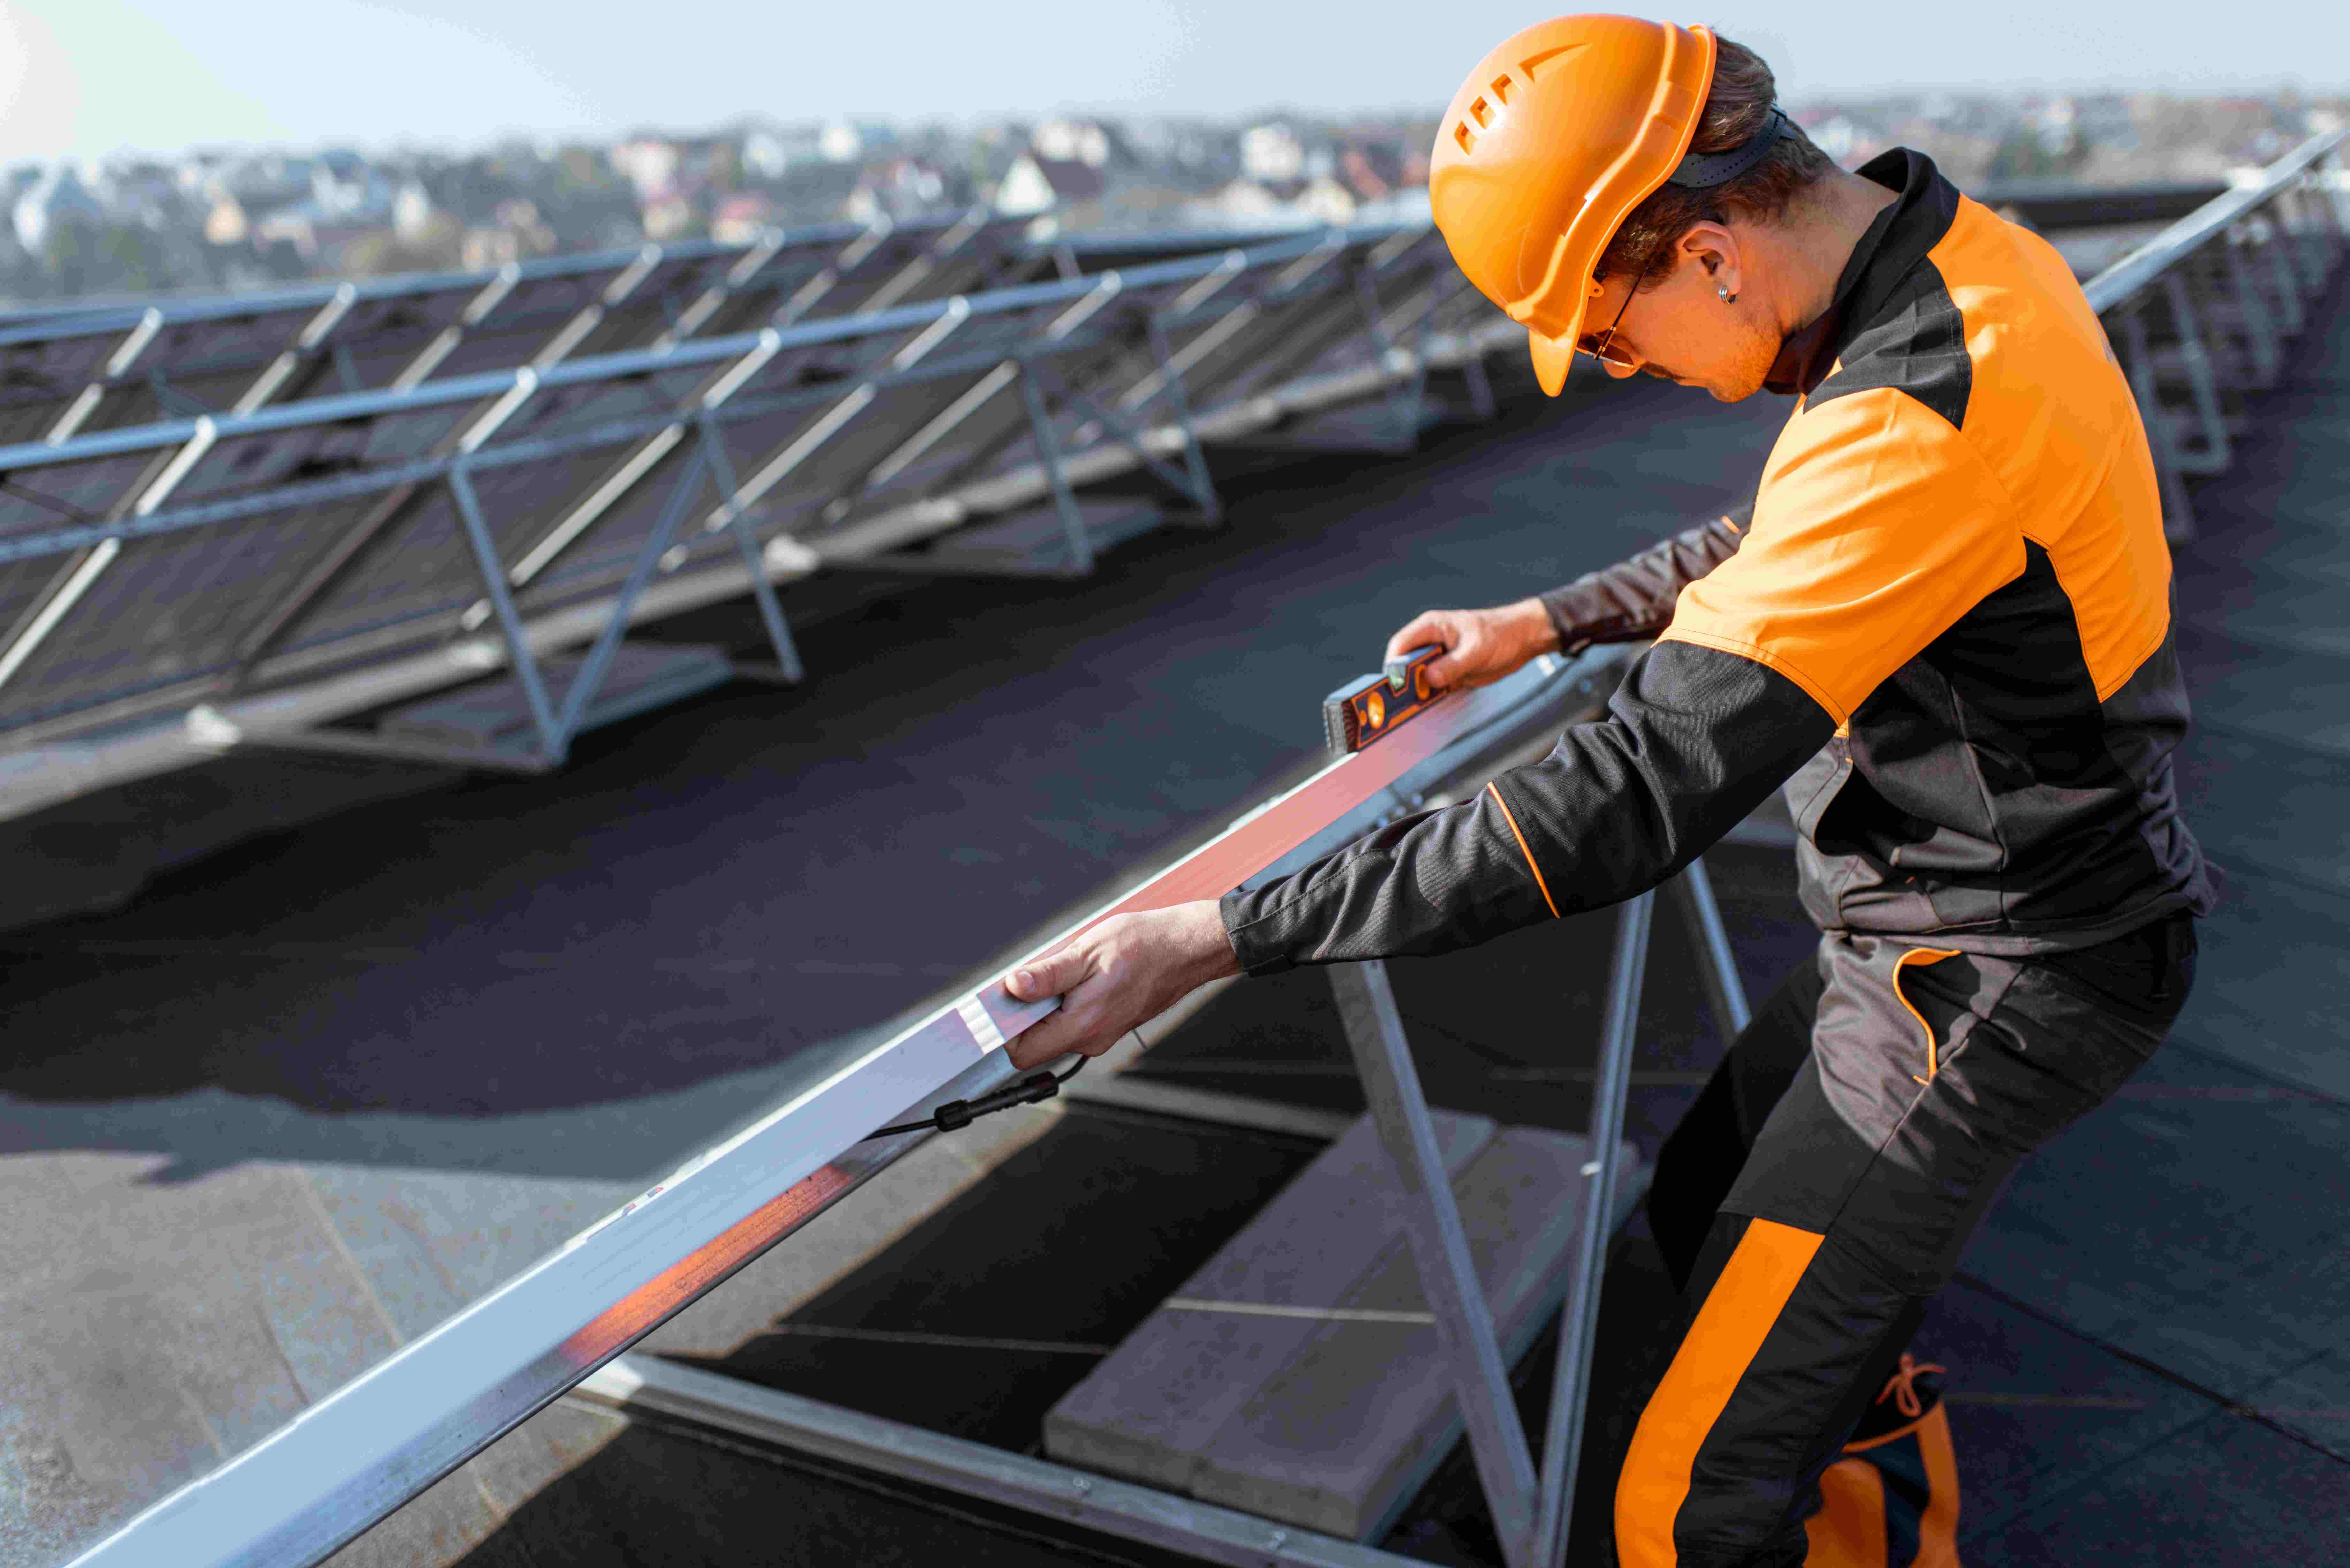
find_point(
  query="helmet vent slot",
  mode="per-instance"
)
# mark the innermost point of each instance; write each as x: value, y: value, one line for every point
x: 1503, y: 87
x: 1461, y: 134
x: 1482, y: 113
x: 1535, y: 65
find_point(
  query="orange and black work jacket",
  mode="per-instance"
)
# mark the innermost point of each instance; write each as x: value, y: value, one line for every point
x: 1944, y: 627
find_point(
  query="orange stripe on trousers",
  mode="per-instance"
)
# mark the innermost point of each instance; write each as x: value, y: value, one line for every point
x: 1738, y: 1315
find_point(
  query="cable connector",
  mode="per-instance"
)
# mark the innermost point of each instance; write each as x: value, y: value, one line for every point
x: 1035, y: 1089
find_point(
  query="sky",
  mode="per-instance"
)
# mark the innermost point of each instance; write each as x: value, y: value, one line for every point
x: 89, y: 77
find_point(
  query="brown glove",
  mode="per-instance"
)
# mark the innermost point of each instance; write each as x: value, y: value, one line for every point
x: 1634, y: 599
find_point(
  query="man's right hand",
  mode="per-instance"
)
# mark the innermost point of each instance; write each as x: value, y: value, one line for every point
x: 1480, y: 646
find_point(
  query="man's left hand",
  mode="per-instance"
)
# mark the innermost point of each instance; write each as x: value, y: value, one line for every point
x: 1118, y: 975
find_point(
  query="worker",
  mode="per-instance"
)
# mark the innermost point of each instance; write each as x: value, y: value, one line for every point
x: 1942, y: 628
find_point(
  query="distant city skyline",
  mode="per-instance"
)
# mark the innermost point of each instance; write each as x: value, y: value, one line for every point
x: 89, y: 79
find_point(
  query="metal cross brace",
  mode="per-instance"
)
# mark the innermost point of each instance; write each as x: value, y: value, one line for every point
x: 1191, y: 483
x: 1040, y: 423
x: 556, y: 729
x: 2161, y: 434
x: 2288, y: 280
x: 2203, y: 386
x: 1195, y: 457
x: 2260, y: 336
x: 1530, y: 1513
x: 738, y: 524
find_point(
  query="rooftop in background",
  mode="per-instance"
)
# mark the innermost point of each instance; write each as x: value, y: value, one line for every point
x: 227, y: 219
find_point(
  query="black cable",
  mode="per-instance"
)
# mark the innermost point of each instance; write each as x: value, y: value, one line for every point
x: 1035, y: 1089
x: 1031, y: 1090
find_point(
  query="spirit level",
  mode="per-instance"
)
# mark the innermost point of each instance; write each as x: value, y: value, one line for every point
x: 1363, y: 710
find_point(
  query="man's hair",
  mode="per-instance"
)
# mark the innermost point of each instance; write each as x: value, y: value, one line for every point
x: 1736, y: 107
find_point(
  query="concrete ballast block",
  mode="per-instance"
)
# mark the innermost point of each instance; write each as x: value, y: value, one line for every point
x: 1333, y: 1424
x: 1151, y: 1411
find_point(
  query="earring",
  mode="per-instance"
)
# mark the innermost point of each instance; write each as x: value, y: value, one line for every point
x: 1727, y: 297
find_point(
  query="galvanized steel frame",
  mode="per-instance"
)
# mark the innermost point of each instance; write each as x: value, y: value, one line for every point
x: 2223, y: 327
x: 54, y: 760
x: 480, y: 406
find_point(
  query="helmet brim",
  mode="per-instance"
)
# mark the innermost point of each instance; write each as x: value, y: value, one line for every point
x: 1553, y: 357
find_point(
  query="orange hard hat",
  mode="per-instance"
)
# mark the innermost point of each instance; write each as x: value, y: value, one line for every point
x: 1545, y: 150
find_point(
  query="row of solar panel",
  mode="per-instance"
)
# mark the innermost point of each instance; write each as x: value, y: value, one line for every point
x: 67, y: 373
x: 150, y: 567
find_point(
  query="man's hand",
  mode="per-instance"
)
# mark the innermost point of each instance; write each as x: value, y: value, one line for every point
x: 1123, y: 972
x: 1480, y: 646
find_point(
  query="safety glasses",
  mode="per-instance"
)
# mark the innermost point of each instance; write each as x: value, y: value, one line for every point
x: 1603, y: 348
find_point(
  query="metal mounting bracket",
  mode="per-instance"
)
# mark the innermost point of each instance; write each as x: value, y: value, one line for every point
x: 556, y: 727
x: 787, y: 665
x: 1530, y: 1512
x: 1191, y: 483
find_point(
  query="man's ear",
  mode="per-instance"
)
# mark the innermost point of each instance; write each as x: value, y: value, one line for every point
x: 1715, y: 249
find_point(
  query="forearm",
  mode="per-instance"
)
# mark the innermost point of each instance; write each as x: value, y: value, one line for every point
x: 1634, y: 598
x: 1694, y: 742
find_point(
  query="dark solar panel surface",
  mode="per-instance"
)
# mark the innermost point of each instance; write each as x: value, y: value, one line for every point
x: 43, y: 368
x: 207, y: 355
x: 573, y: 477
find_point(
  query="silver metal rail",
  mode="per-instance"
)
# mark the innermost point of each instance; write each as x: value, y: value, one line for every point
x: 2201, y: 314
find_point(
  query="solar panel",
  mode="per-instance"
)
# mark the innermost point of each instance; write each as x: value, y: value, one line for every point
x: 806, y: 470
x: 141, y: 565
x: 991, y: 427
x: 1316, y: 307
x: 72, y: 372
x: 45, y: 367
x: 643, y: 303
x: 793, y: 460
x: 1220, y: 317
x: 98, y: 484
x: 165, y: 611
x: 209, y: 363
x: 424, y: 567
x: 372, y: 346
